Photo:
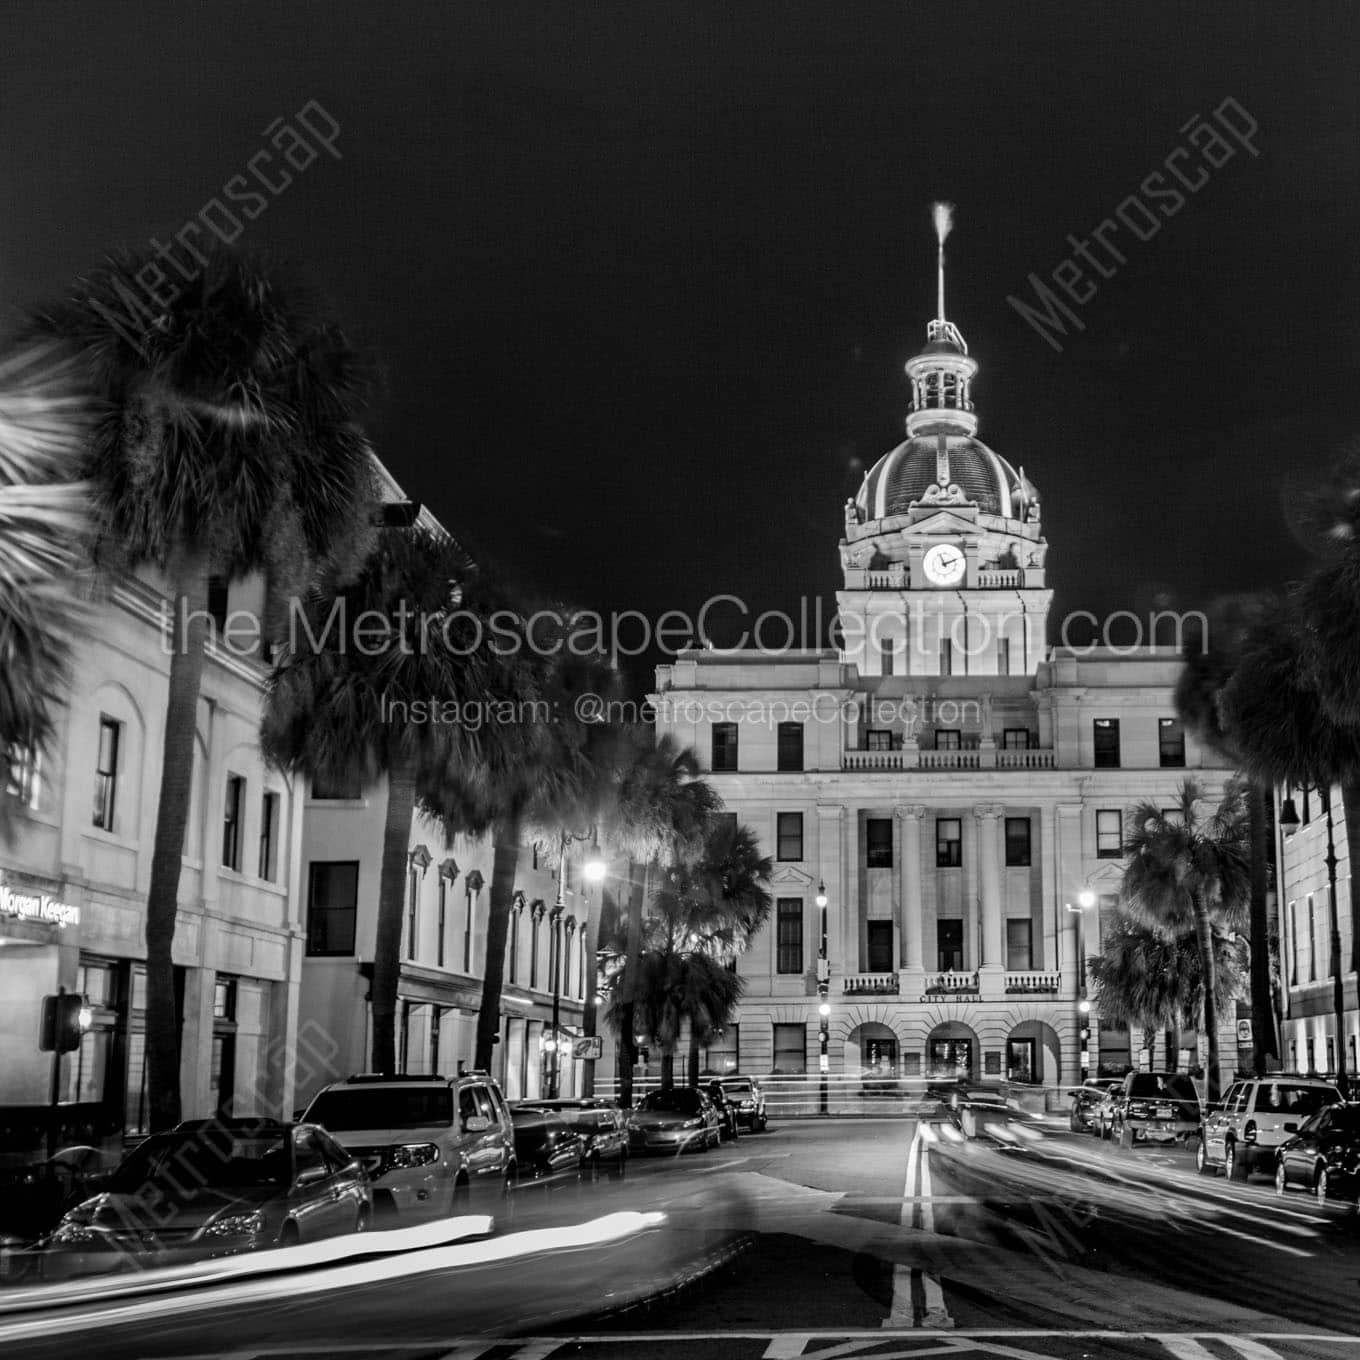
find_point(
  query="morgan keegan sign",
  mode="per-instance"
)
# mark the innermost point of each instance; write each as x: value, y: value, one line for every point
x: 28, y: 906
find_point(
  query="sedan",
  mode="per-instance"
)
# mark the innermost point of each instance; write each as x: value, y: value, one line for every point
x: 675, y: 1120
x: 1086, y: 1114
x: 548, y: 1150
x: 1324, y: 1156
x: 215, y: 1188
x: 603, y: 1126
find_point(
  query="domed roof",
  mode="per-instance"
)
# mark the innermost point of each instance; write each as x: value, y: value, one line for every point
x: 905, y: 474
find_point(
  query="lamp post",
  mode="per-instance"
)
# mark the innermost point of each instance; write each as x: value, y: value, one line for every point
x: 1086, y: 899
x: 1289, y: 824
x: 595, y: 870
x: 824, y: 1007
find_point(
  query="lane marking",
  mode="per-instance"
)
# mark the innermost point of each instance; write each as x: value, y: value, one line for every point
x: 1187, y: 1348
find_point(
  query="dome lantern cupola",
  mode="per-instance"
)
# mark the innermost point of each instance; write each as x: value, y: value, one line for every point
x: 942, y: 373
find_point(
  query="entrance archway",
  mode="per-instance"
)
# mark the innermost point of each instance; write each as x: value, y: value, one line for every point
x: 952, y: 1052
x: 871, y: 1050
x: 1033, y: 1053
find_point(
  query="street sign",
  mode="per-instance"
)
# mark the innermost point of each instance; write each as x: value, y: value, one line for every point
x: 1244, y: 1031
x: 592, y: 1047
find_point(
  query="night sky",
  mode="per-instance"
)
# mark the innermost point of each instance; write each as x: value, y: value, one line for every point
x: 643, y: 277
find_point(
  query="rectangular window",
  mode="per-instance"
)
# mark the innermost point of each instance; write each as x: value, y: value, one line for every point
x: 888, y: 652
x: 723, y: 1054
x: 1003, y: 656
x: 946, y: 657
x: 789, y: 935
x: 724, y: 746
x: 790, y: 746
x: 1106, y: 732
x: 412, y: 909
x: 332, y: 899
x: 231, y: 822
x: 533, y: 947
x: 218, y: 604
x: 948, y: 739
x: 878, y: 739
x: 516, y: 917
x: 1015, y: 739
x: 1312, y: 946
x: 878, y: 835
x: 949, y: 945
x: 879, y: 938
x: 789, y: 837
x: 948, y: 843
x: 1017, y: 842
x: 1293, y: 944
x: 436, y: 1017
x: 1171, y: 743
x: 106, y: 772
x: 1109, y: 833
x: 1019, y: 939
x: 337, y: 789
x: 24, y: 783
x: 790, y: 1050
x: 443, y: 919
x: 269, y: 837
x: 467, y: 933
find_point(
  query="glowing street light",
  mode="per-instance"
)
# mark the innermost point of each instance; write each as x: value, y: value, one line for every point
x: 595, y: 869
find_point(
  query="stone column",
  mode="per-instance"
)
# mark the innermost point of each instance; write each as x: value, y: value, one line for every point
x: 989, y: 879
x: 1069, y: 884
x: 1050, y: 923
x: 908, y: 820
x: 850, y: 909
x: 830, y: 854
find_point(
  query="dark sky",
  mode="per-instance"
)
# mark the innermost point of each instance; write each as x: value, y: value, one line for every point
x: 643, y: 277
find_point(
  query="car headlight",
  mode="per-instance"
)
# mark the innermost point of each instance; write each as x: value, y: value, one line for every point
x: 70, y: 1233
x: 236, y: 1225
x: 405, y: 1155
x: 693, y: 1124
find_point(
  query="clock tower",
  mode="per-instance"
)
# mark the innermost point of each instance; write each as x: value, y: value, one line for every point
x: 944, y: 554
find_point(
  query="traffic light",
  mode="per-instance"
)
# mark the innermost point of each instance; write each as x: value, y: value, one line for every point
x: 65, y: 1018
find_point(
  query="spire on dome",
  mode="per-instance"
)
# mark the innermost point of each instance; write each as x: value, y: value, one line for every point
x: 943, y: 216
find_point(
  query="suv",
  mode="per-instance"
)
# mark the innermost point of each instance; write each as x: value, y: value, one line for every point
x: 749, y: 1099
x: 432, y: 1146
x: 1245, y: 1131
x: 1153, y: 1107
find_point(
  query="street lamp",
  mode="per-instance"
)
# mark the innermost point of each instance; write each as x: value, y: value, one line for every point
x: 824, y: 1009
x: 1086, y: 899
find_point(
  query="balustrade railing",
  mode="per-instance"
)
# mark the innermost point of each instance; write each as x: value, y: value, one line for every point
x: 951, y: 984
x: 871, y: 984
x: 1042, y: 983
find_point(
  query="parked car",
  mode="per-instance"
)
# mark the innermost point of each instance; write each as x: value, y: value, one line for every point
x: 1324, y: 1155
x: 1154, y: 1107
x: 548, y: 1149
x: 1245, y: 1131
x: 729, y: 1127
x: 601, y: 1123
x: 216, y: 1188
x: 675, y: 1120
x: 746, y: 1094
x: 1087, y: 1100
x: 432, y: 1146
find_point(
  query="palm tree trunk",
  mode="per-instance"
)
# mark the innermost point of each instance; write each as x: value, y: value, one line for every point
x: 504, y: 867
x: 1338, y: 963
x: 668, y: 1069
x: 589, y: 1020
x: 188, y: 631
x: 628, y: 1002
x: 401, y: 797
x: 692, y: 1068
x: 1263, y: 1039
x: 1205, y: 939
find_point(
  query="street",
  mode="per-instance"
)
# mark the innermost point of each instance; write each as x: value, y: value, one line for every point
x: 882, y: 1237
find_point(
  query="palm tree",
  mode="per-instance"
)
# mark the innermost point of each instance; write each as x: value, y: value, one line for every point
x: 1209, y: 663
x: 1286, y: 733
x: 1143, y: 977
x: 229, y: 445
x: 44, y: 422
x: 666, y: 809
x: 1186, y: 873
x: 352, y: 714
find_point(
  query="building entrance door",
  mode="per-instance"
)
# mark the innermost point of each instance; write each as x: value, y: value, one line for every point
x: 1020, y: 1060
x: 951, y: 1058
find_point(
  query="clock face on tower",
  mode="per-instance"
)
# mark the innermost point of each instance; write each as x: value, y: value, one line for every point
x: 944, y: 564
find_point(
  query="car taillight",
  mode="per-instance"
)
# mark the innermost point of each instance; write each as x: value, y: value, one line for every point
x: 1137, y: 1109
x: 1249, y: 1132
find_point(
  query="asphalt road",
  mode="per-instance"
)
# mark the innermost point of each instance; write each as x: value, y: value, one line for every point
x: 883, y: 1238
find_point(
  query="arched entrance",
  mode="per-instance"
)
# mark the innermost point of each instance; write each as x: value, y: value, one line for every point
x: 871, y: 1050
x: 1033, y: 1054
x: 952, y: 1052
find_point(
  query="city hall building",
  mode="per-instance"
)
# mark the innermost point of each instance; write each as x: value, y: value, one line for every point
x: 954, y: 787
